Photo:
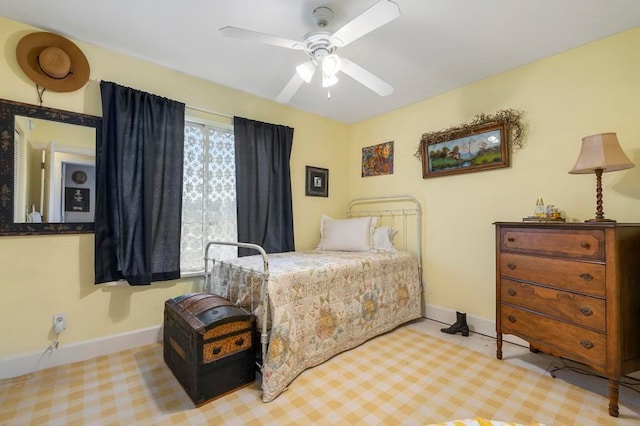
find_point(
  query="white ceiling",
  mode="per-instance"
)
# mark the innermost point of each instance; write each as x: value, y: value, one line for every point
x: 435, y: 45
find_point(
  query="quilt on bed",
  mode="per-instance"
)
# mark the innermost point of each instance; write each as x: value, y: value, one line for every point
x: 323, y: 303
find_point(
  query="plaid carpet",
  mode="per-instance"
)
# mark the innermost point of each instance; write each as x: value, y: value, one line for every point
x: 403, y: 377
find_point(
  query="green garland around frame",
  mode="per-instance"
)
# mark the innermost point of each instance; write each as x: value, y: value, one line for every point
x: 511, y: 118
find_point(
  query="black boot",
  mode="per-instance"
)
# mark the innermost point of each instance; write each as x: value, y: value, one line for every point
x: 459, y: 327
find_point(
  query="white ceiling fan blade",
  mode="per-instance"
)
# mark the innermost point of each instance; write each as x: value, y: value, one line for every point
x: 376, y: 16
x: 290, y: 89
x: 243, y: 34
x: 367, y: 79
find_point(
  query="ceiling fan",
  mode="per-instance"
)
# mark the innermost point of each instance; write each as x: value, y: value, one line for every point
x: 321, y: 47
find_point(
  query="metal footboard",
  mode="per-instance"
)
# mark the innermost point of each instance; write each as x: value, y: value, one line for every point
x: 264, y: 294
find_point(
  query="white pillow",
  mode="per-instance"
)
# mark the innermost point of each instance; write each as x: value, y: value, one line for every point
x: 347, y: 234
x: 383, y: 238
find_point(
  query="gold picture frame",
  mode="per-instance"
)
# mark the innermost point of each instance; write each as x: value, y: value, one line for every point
x: 478, y: 148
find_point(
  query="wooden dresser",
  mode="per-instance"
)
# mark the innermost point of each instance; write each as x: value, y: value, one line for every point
x: 572, y: 290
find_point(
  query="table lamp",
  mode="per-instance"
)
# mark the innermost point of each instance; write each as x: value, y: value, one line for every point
x: 601, y: 153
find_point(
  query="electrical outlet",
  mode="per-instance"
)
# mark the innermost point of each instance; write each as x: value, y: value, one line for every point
x: 59, y: 322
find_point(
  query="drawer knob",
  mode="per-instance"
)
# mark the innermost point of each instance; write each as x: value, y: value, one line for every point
x: 511, y: 239
x: 585, y: 245
x: 240, y: 342
x: 586, y: 343
x: 216, y: 350
x: 511, y: 292
x: 511, y: 265
x: 586, y: 277
x: 586, y: 311
x: 511, y: 318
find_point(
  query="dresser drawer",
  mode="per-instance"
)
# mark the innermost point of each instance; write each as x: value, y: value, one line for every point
x: 572, y: 244
x: 580, y: 310
x: 569, y: 340
x: 580, y: 277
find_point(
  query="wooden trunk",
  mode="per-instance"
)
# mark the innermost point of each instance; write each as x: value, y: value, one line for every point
x: 208, y: 345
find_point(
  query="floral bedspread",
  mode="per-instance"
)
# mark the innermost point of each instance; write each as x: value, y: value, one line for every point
x: 322, y: 303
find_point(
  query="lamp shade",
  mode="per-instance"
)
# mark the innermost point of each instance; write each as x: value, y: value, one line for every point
x: 601, y: 151
x: 306, y: 71
x: 329, y: 80
x: 331, y: 64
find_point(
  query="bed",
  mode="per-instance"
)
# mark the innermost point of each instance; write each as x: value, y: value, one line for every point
x: 362, y: 280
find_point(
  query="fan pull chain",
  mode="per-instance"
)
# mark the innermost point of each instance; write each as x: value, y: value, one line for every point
x: 328, y: 93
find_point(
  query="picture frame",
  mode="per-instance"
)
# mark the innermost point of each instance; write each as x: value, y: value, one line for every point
x: 377, y: 160
x: 478, y: 148
x: 76, y: 199
x: 317, y: 182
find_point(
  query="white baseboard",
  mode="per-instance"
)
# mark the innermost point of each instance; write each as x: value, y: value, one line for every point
x: 28, y: 363
x: 476, y: 324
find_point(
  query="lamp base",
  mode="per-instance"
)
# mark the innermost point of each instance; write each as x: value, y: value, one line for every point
x: 600, y: 220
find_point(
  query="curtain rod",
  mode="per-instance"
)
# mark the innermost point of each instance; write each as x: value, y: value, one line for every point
x: 221, y: 114
x: 206, y: 111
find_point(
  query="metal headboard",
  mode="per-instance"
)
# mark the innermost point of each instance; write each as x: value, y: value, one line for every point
x: 389, y: 209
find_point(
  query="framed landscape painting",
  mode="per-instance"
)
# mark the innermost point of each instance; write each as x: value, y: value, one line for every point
x: 481, y: 148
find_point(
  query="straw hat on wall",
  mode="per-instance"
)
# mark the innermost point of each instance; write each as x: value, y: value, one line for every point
x: 52, y: 62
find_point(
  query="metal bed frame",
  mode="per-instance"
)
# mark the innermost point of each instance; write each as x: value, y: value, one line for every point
x: 385, y: 216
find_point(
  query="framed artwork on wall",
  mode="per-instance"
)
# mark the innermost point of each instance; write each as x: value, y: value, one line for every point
x: 377, y: 159
x: 317, y: 182
x: 76, y: 200
x: 479, y: 148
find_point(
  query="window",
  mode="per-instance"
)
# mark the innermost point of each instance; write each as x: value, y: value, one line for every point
x: 208, y: 194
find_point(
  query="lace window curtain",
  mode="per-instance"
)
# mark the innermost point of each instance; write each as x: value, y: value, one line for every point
x: 209, y: 195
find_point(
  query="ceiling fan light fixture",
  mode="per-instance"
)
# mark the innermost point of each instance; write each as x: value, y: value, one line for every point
x: 331, y: 64
x: 306, y: 71
x: 329, y: 80
x: 321, y: 45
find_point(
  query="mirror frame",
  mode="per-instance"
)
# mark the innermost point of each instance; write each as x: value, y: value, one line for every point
x: 8, y: 111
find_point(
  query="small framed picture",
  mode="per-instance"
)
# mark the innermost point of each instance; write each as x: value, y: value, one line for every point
x: 317, y: 182
x: 76, y: 199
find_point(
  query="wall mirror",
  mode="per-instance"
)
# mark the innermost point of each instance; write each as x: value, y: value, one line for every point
x: 47, y: 170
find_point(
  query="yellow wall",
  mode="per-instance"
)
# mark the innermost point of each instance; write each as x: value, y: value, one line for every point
x: 43, y: 275
x: 591, y: 89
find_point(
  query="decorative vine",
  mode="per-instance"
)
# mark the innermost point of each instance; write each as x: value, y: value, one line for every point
x: 511, y: 118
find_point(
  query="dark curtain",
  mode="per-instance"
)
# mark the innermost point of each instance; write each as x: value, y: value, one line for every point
x: 263, y: 185
x: 138, y: 187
